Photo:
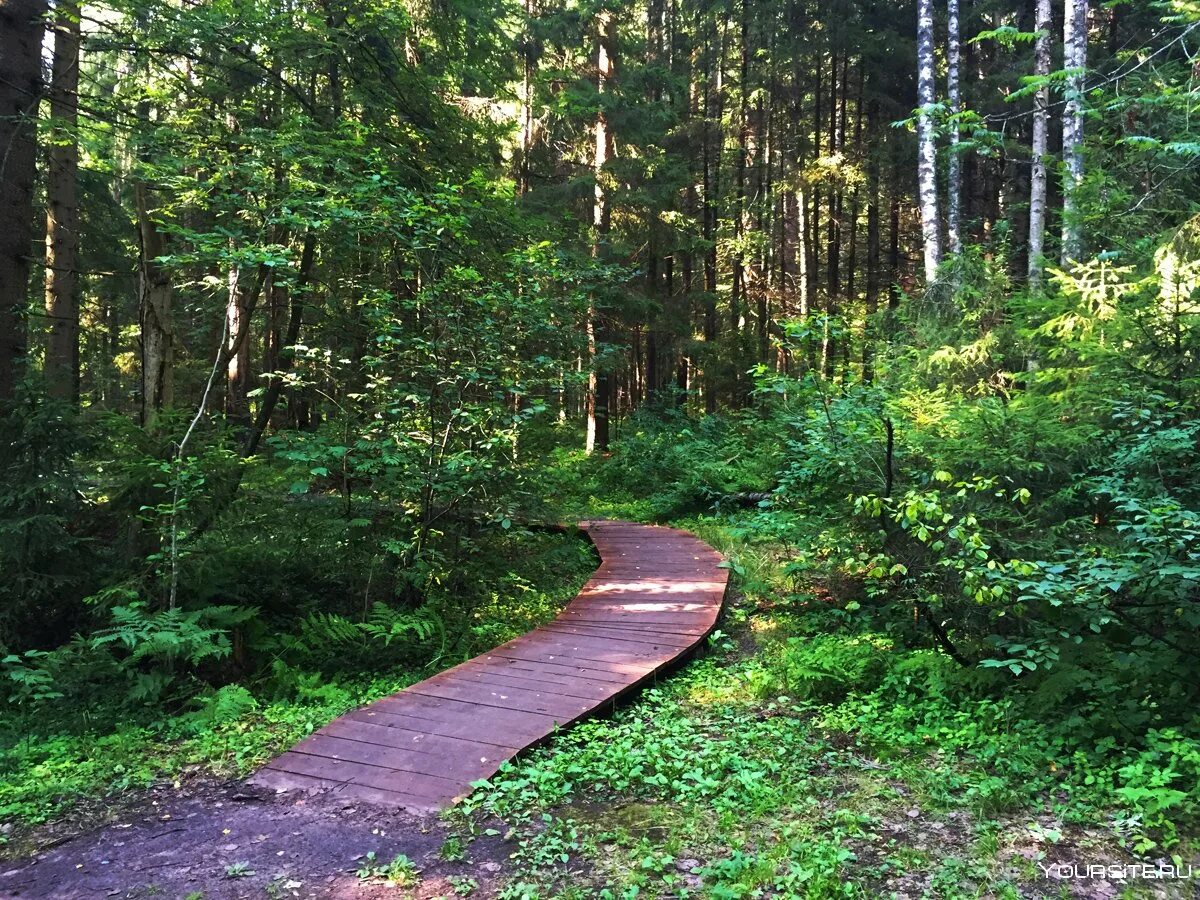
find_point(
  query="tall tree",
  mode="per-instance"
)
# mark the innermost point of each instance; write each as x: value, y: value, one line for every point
x: 599, y: 392
x: 926, y: 146
x: 238, y: 312
x: 21, y: 29
x: 954, y: 100
x: 62, y: 215
x: 1075, y: 35
x: 155, y: 317
x: 1041, y: 123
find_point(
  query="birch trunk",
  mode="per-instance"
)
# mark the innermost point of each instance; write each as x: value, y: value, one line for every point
x: 954, y: 98
x: 237, y: 370
x: 1075, y: 61
x: 1041, y: 123
x: 926, y: 149
x: 600, y: 383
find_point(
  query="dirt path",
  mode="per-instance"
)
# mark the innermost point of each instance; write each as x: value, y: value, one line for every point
x: 225, y: 841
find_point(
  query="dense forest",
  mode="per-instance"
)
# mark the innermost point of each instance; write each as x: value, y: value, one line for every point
x: 320, y: 320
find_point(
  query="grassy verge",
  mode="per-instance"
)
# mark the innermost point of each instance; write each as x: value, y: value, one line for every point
x: 808, y: 755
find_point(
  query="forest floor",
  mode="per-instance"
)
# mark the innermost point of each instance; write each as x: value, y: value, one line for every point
x: 714, y: 783
x: 223, y: 840
x: 877, y: 820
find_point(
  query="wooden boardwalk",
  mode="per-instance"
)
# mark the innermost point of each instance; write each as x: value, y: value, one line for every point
x: 654, y: 598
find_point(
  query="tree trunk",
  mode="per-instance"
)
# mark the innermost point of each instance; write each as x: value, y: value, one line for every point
x: 1041, y: 116
x: 62, y: 214
x: 599, y: 399
x: 21, y: 31
x: 872, y: 286
x: 834, y: 200
x: 737, y: 288
x: 954, y: 98
x: 926, y: 149
x: 154, y: 314
x: 1075, y: 61
x: 894, y: 290
x: 529, y: 69
x: 714, y: 111
x: 814, y: 220
x: 237, y: 370
x: 291, y: 337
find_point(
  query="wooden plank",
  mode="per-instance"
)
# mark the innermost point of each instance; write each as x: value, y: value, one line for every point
x: 465, y: 726
x: 676, y: 609
x: 338, y: 771
x: 377, y: 731
x: 592, y: 649
x: 554, y: 707
x: 613, y: 681
x: 618, y: 640
x: 541, y: 653
x: 615, y: 632
x: 463, y: 760
x: 656, y: 594
x: 479, y: 670
x: 634, y: 622
x: 291, y: 781
x: 485, y: 723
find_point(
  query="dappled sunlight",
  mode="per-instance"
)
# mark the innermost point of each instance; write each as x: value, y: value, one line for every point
x: 649, y: 586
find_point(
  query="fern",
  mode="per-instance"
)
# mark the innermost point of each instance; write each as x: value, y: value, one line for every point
x: 323, y: 634
x: 155, y: 642
x: 387, y: 625
x: 318, y: 632
x: 226, y: 704
x: 193, y: 636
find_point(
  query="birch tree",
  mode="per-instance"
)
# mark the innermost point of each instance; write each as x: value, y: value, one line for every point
x: 599, y: 382
x: 954, y: 98
x: 1075, y: 61
x: 1041, y: 116
x: 926, y: 148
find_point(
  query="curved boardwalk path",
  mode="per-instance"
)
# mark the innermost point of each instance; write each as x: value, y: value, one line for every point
x: 655, y: 597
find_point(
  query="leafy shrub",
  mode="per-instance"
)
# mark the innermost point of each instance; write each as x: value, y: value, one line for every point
x: 822, y: 668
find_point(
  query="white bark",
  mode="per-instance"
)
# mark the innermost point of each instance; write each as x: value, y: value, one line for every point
x: 597, y: 387
x: 1041, y: 116
x: 926, y: 149
x: 1075, y: 61
x: 954, y: 97
x: 802, y: 251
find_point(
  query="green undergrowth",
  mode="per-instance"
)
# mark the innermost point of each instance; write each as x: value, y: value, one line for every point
x: 812, y: 754
x: 56, y: 754
x: 715, y: 784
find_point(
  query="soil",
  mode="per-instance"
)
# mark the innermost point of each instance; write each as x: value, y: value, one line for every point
x: 220, y: 841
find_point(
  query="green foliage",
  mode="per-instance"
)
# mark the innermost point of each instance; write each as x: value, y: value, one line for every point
x: 42, y: 555
x: 400, y: 872
x: 397, y: 634
x: 26, y: 681
x: 823, y: 668
x: 148, y: 696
